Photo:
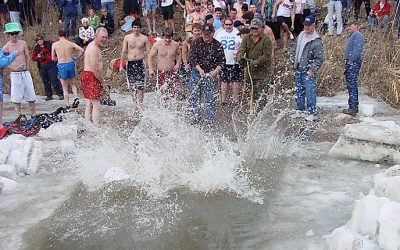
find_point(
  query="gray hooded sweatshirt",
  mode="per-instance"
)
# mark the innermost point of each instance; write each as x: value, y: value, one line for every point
x: 308, y: 54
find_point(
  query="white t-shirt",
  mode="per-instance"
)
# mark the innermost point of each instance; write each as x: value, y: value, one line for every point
x: 230, y: 42
x: 166, y: 3
x: 285, y: 8
x: 298, y: 6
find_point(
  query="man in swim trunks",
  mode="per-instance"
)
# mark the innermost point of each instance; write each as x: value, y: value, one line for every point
x: 168, y: 63
x: 134, y: 47
x: 21, y: 79
x: 63, y: 52
x: 91, y: 80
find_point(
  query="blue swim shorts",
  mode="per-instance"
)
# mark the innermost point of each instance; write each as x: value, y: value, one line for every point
x: 150, y: 5
x: 66, y: 71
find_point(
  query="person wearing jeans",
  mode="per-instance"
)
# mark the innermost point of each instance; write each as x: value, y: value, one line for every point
x: 380, y: 13
x: 307, y: 58
x: 353, y: 58
x: 70, y: 13
x: 206, y: 84
x: 206, y: 59
x: 47, y: 68
x: 109, y: 5
x: 335, y: 6
x: 357, y: 7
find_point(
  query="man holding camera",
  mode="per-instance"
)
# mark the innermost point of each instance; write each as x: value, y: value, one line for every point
x: 47, y: 68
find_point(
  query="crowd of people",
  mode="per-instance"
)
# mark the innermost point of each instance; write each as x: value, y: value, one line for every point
x: 228, y: 45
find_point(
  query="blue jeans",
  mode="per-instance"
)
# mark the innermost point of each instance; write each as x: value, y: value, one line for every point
x: 207, y: 86
x: 109, y: 7
x: 373, y: 22
x: 351, y: 72
x: 49, y: 74
x: 335, y: 6
x: 306, y: 87
x: 69, y: 21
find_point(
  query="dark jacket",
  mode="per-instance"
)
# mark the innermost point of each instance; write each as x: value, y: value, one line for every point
x: 13, y: 5
x: 207, y: 55
x: 312, y: 56
x: 70, y: 7
x: 260, y: 53
x: 107, y: 22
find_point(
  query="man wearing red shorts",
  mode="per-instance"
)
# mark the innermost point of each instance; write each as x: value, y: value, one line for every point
x: 168, y: 62
x: 91, y: 80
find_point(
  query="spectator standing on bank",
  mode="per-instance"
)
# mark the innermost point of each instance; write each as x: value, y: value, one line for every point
x: 307, y: 58
x: 70, y: 13
x: 48, y: 71
x: 109, y: 5
x: 353, y: 59
x: 335, y: 6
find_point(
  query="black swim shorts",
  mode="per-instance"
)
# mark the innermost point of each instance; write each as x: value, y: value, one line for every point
x: 136, y: 75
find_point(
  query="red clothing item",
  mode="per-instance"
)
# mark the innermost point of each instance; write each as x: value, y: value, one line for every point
x: 46, y: 55
x: 378, y: 12
x: 91, y: 86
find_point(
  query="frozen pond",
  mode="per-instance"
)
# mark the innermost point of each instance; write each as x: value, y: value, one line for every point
x: 272, y: 187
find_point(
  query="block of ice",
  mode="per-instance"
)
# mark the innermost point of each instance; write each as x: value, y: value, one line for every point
x: 59, y: 131
x: 389, y: 226
x: 8, y: 185
x: 8, y: 171
x: 343, y: 238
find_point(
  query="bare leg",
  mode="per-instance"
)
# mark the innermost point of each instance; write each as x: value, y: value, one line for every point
x: 1, y: 114
x: 32, y: 105
x: 166, y: 23
x: 148, y: 20
x: 172, y: 25
x: 236, y: 91
x: 224, y: 89
x: 153, y: 17
x: 64, y: 84
x: 88, y: 110
x: 285, y: 35
x: 140, y: 96
x: 96, y: 112
x: 17, y: 107
x: 73, y: 87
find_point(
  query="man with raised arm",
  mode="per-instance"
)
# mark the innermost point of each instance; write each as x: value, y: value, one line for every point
x: 134, y: 47
x: 65, y: 53
x: 21, y: 79
x: 91, y: 80
x: 168, y: 62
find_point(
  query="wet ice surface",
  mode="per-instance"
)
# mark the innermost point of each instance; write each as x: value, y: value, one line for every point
x: 221, y: 201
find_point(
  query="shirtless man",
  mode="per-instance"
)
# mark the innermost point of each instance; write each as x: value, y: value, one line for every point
x: 91, y: 80
x: 134, y: 47
x: 197, y: 31
x: 21, y: 79
x: 63, y: 52
x: 198, y: 16
x: 168, y: 62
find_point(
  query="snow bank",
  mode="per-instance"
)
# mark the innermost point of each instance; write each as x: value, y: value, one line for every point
x: 369, y: 140
x: 7, y: 185
x: 59, y: 131
x: 375, y: 221
x: 20, y: 155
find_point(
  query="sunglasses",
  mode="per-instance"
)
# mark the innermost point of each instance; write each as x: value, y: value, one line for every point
x: 13, y: 33
x: 228, y: 24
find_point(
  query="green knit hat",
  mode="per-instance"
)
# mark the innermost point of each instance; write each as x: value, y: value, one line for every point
x: 12, y: 27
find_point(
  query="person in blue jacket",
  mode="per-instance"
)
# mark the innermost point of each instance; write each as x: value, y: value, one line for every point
x: 4, y: 62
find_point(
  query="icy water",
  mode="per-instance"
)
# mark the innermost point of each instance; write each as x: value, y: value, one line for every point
x: 262, y: 183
